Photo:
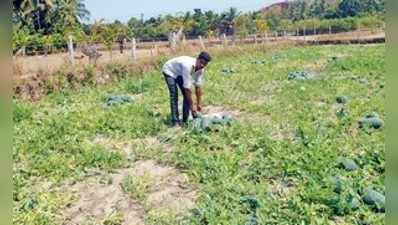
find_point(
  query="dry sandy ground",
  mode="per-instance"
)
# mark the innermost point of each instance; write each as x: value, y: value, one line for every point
x: 31, y: 65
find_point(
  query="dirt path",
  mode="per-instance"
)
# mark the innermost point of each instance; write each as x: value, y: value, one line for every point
x: 104, y: 195
x: 130, y: 194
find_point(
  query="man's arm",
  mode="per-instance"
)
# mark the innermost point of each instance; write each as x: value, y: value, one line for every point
x: 198, y: 92
x: 188, y: 97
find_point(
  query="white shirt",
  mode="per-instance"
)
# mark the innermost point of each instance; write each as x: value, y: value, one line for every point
x: 184, y: 66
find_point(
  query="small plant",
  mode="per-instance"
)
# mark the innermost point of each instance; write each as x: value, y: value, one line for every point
x: 137, y: 187
x: 137, y: 86
x: 156, y: 217
x: 21, y: 112
x: 119, y: 71
x: 89, y: 74
x: 115, y: 218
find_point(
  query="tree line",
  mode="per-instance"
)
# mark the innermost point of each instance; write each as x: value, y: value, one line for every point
x: 46, y: 24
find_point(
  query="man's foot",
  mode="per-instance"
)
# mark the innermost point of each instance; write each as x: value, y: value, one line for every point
x: 175, y: 124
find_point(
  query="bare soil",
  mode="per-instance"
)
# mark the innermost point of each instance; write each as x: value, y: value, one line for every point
x: 100, y: 196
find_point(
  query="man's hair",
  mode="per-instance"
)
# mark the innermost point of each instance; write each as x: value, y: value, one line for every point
x: 204, y: 56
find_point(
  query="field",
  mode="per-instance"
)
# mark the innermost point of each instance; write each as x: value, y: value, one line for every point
x: 77, y: 160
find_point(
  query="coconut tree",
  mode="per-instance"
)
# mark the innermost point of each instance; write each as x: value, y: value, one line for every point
x: 32, y: 12
x: 68, y: 15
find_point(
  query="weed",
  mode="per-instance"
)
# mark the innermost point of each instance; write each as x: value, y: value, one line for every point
x: 137, y: 187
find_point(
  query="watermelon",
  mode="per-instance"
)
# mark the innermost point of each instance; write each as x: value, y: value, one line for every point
x: 341, y: 99
x: 252, y: 202
x: 374, y: 199
x: 228, y: 71
x: 338, y: 184
x: 298, y: 75
x: 258, y: 62
x: 348, y: 164
x: 371, y: 120
x: 118, y: 100
x: 208, y: 122
x: 355, y: 203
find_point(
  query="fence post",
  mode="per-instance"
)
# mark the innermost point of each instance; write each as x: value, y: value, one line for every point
x: 184, y: 41
x: 134, y: 49
x: 123, y: 45
x: 156, y: 49
x: 173, y: 40
x: 24, y: 51
x: 202, y: 44
x: 330, y: 29
x: 71, y: 50
x: 255, y: 39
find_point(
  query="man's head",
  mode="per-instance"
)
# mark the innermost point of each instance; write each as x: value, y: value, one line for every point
x: 203, y: 59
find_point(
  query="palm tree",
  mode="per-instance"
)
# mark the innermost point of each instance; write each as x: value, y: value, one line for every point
x: 25, y: 7
x: 231, y: 14
x: 31, y: 11
x: 74, y: 9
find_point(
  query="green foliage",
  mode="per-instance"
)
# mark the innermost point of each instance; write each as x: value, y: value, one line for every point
x: 20, y: 38
x: 61, y: 18
x: 336, y: 25
x: 242, y: 25
x: 297, y: 10
x: 261, y: 26
x: 115, y: 218
x: 137, y: 86
x: 22, y: 111
x: 257, y: 156
x: 350, y: 8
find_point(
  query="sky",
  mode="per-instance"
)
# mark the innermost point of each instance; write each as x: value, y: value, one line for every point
x: 123, y: 10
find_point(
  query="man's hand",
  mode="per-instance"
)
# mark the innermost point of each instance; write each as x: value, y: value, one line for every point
x: 198, y: 91
x: 199, y: 108
x: 194, y: 114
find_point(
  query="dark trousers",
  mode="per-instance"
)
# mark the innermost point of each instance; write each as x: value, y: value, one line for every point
x: 173, y: 84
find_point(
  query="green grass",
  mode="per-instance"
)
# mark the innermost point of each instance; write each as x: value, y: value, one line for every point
x: 137, y: 187
x: 288, y: 174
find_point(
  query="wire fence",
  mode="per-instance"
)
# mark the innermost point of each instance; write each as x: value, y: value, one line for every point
x: 148, y: 43
x: 77, y: 54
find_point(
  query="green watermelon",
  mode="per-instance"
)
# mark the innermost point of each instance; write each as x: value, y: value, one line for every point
x: 355, y: 203
x: 118, y: 100
x: 338, y: 184
x: 374, y: 199
x: 341, y: 99
x: 298, y: 75
x: 197, y: 124
x: 373, y: 122
x: 348, y: 164
x: 206, y: 124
